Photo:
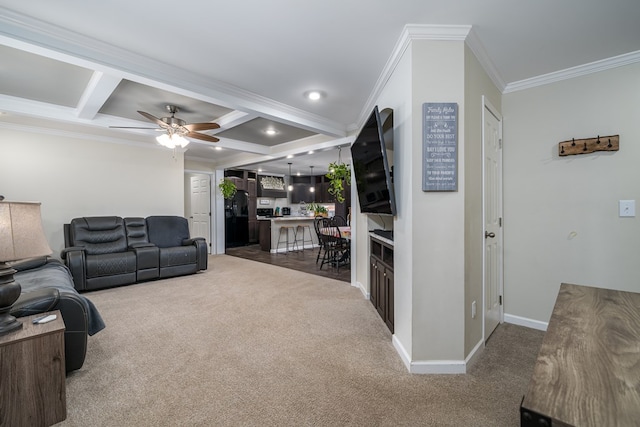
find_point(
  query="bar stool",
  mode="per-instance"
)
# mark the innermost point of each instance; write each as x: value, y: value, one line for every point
x: 302, y: 228
x: 285, y: 229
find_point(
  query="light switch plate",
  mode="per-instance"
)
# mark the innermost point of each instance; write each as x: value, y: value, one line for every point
x: 627, y: 208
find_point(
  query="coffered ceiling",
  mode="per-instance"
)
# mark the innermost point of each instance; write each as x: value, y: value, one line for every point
x: 246, y: 65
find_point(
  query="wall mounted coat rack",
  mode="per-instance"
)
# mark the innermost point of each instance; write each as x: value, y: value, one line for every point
x: 589, y: 145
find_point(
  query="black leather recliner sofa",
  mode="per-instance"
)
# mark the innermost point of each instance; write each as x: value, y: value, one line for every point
x: 104, y: 252
x: 47, y: 286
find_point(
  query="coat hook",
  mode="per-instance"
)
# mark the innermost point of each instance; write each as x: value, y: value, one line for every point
x: 610, y: 145
x: 573, y: 142
x: 598, y: 141
x: 585, y: 147
x: 562, y: 150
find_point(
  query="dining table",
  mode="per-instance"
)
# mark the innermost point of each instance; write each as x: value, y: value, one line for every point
x: 340, y: 231
x: 344, y: 233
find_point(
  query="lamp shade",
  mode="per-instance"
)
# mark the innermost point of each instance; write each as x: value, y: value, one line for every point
x: 21, y: 233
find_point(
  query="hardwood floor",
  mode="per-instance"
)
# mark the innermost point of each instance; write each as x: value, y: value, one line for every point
x: 300, y: 261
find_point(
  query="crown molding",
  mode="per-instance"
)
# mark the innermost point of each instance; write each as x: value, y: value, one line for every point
x: 573, y: 72
x: 70, y: 134
x: 476, y: 46
x: 413, y: 32
x: 54, y: 42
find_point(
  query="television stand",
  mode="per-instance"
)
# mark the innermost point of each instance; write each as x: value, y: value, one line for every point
x: 387, y: 234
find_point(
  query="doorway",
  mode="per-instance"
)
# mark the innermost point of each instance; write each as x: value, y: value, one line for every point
x: 198, y: 207
x: 492, y: 207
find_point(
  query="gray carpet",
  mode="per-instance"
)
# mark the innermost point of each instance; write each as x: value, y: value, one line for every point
x: 251, y: 344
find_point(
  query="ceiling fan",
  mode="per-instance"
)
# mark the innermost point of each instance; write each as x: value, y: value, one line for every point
x: 176, y: 129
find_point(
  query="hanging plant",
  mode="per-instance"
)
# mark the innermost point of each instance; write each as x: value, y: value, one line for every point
x: 227, y: 188
x: 339, y: 174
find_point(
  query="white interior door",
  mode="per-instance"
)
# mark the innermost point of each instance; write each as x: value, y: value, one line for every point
x: 200, y: 219
x: 493, y: 253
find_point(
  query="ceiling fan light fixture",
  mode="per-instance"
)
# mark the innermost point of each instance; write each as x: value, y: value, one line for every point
x: 172, y: 141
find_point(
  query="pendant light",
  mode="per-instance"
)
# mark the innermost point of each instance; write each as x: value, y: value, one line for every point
x: 312, y: 186
x: 290, y: 188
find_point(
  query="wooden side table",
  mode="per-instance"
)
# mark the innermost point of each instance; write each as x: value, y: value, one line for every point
x: 32, y: 374
x: 588, y: 369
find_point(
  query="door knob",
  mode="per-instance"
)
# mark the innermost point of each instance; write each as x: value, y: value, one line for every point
x: 487, y: 234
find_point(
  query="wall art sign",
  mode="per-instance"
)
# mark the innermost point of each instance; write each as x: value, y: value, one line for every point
x: 440, y: 146
x: 272, y: 183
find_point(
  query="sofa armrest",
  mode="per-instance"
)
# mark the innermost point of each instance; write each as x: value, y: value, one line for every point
x: 202, y: 252
x: 34, y: 302
x: 75, y: 260
x: 141, y: 245
x: 73, y: 313
x: 65, y: 251
x: 193, y: 241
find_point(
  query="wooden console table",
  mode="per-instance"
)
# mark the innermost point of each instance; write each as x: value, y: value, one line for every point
x: 32, y: 374
x: 588, y: 369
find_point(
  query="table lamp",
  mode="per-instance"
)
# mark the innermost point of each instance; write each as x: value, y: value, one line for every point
x: 21, y: 237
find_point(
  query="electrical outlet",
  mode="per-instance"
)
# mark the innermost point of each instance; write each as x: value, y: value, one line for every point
x: 627, y: 208
x: 473, y: 310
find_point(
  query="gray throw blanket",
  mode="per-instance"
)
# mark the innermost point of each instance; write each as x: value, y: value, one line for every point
x: 51, y: 273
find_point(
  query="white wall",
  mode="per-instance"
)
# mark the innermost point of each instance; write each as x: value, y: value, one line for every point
x: 437, y: 221
x: 549, y: 198
x: 477, y: 85
x: 76, y: 176
x: 397, y: 96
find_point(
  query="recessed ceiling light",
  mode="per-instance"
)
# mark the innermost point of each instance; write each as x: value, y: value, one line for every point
x: 259, y: 170
x: 290, y: 156
x: 218, y: 148
x: 298, y: 174
x: 310, y: 152
x: 271, y: 132
x: 314, y: 95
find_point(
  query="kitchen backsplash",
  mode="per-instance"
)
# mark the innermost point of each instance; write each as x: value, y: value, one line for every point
x: 273, y: 203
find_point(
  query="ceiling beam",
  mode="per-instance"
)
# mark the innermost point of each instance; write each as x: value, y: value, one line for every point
x: 98, y: 90
x: 35, y: 36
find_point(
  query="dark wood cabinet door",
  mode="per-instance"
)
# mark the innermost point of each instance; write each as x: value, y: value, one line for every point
x: 253, y: 231
x: 373, y: 280
x: 388, y: 289
x: 381, y: 281
x: 252, y: 187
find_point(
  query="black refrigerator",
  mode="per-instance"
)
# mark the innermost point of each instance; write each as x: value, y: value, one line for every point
x: 236, y: 211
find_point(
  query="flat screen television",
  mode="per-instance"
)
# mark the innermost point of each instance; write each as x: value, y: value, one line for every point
x: 370, y: 165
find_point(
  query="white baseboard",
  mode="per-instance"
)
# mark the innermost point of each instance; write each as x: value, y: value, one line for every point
x: 475, y: 353
x: 429, y: 366
x: 362, y: 289
x: 523, y: 321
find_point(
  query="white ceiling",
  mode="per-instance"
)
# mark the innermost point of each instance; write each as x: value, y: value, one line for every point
x: 246, y: 65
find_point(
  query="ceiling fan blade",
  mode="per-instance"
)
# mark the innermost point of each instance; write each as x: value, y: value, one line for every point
x: 193, y: 127
x: 153, y: 119
x: 202, y: 136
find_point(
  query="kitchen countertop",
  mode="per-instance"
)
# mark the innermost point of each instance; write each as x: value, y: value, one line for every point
x: 285, y: 218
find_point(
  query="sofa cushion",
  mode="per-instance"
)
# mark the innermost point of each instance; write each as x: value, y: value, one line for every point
x: 167, y: 231
x: 99, y: 235
x: 177, y: 256
x: 136, y: 231
x: 110, y: 264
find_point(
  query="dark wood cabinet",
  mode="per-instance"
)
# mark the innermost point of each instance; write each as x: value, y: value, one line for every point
x: 252, y: 187
x: 241, y: 183
x: 381, y: 280
x: 302, y: 190
x: 265, y: 235
x: 253, y: 231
